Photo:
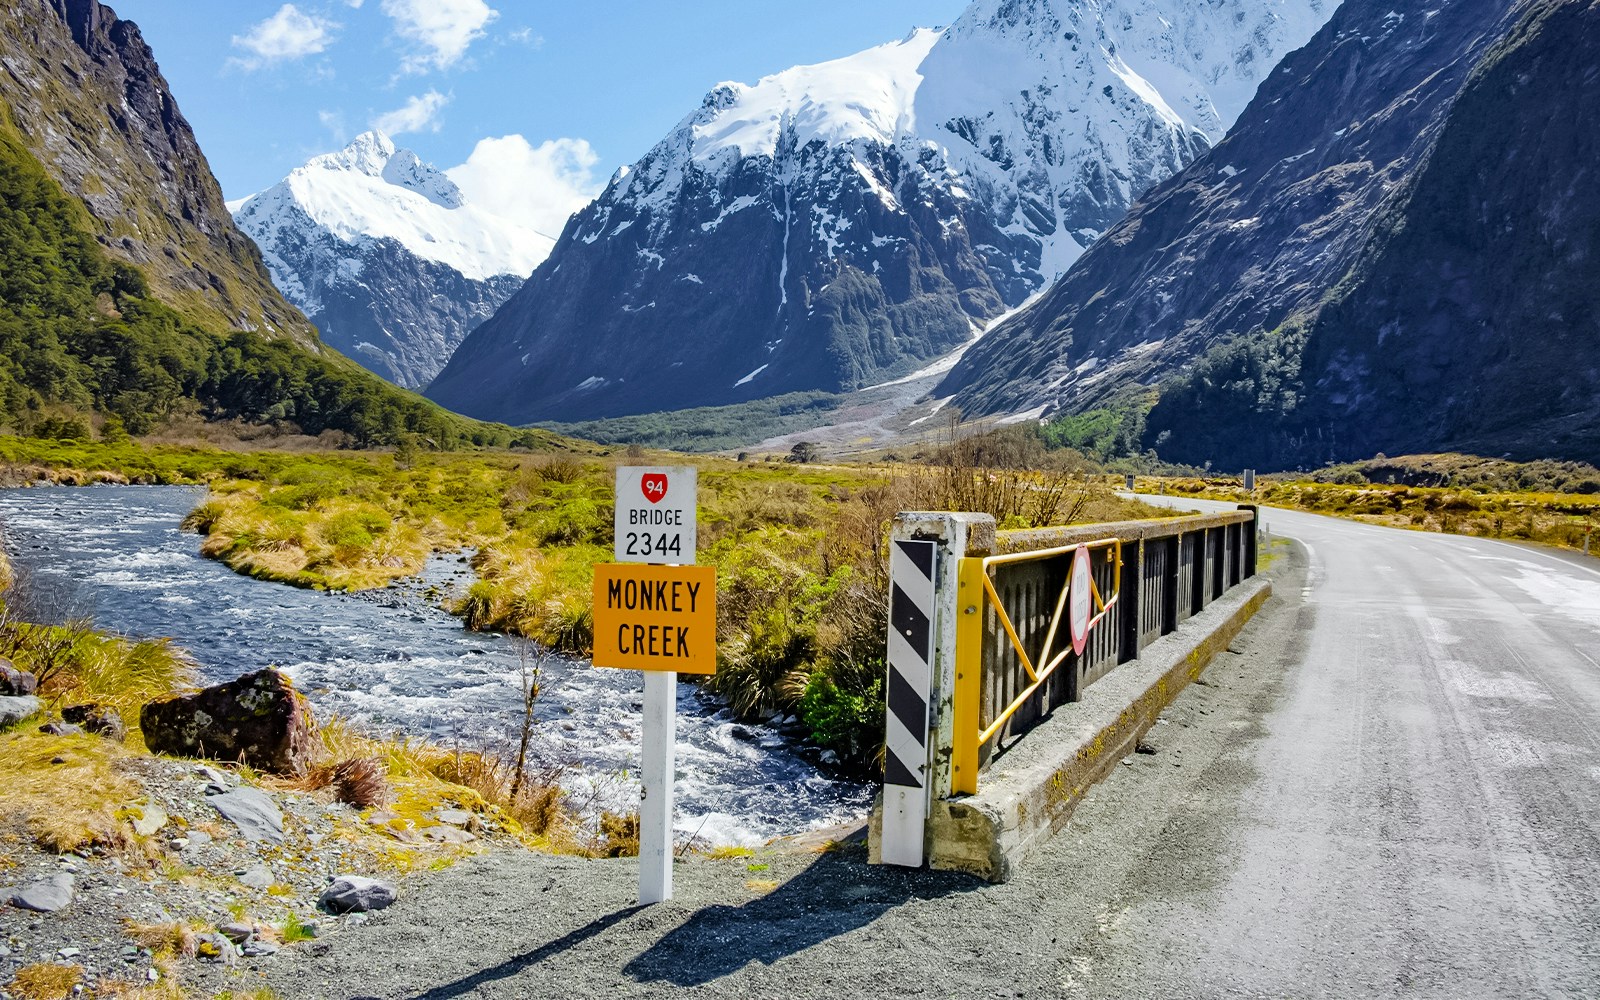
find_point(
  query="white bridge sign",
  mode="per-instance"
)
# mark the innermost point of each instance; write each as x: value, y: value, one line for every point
x: 655, y: 519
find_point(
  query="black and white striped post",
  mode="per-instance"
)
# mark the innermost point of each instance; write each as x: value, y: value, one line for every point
x: 909, y: 687
x: 925, y: 550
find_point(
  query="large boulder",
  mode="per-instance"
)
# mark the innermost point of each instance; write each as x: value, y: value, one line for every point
x: 15, y: 709
x: 14, y: 681
x: 357, y: 894
x: 259, y: 720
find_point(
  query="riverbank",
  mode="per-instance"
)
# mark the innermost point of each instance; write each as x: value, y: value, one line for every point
x: 799, y: 550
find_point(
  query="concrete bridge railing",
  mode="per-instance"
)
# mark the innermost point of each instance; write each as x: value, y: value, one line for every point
x: 992, y: 631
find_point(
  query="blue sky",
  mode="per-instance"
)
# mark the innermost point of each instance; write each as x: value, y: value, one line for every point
x: 567, y: 95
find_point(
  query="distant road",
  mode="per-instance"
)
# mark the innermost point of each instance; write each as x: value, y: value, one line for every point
x: 1425, y: 814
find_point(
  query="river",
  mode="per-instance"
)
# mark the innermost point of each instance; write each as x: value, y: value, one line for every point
x: 394, y: 663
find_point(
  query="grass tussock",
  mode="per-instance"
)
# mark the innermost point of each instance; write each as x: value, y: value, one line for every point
x: 173, y: 939
x: 419, y: 778
x: 361, y: 782
x: 70, y: 805
x: 77, y: 664
x: 46, y: 981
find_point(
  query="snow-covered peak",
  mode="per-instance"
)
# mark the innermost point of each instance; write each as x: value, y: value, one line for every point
x: 368, y: 153
x: 868, y: 95
x: 1054, y: 114
x: 371, y: 190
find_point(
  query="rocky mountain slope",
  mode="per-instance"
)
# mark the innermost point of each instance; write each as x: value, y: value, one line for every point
x: 1365, y: 175
x: 1471, y: 318
x: 839, y: 223
x: 386, y: 256
x: 85, y: 94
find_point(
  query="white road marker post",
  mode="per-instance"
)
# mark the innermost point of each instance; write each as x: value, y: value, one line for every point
x: 660, y: 618
x: 656, y: 768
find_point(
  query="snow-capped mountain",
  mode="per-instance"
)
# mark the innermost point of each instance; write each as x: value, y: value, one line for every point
x: 839, y: 223
x: 382, y: 253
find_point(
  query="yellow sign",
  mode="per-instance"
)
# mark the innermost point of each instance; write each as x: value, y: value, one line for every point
x: 655, y: 617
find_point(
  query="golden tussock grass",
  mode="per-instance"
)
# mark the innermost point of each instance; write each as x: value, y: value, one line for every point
x: 422, y: 777
x: 68, y: 805
x: 45, y: 981
x: 174, y: 939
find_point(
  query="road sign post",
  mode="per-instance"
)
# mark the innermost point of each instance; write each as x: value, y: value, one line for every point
x: 657, y: 612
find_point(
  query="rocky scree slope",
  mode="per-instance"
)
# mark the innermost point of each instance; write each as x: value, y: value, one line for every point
x: 132, y: 159
x: 386, y: 257
x: 1239, y: 254
x: 837, y: 223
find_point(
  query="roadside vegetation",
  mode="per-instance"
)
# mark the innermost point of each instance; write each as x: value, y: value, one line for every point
x: 1551, y: 503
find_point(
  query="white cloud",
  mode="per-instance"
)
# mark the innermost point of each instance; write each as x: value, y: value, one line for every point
x: 418, y: 114
x: 537, y: 186
x: 288, y: 34
x: 441, y: 30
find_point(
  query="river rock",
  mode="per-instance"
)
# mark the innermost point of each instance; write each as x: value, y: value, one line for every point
x: 61, y: 729
x: 215, y: 948
x: 14, y: 681
x: 213, y: 776
x: 257, y: 877
x: 46, y: 895
x: 13, y: 709
x: 253, y: 812
x: 149, y: 819
x: 97, y: 719
x: 259, y: 720
x: 357, y: 894
x: 237, y: 931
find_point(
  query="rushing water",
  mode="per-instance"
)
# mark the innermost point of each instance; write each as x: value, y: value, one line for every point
x: 393, y: 662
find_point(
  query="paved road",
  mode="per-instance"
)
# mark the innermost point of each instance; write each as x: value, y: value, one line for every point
x: 1389, y: 787
x: 1426, y: 816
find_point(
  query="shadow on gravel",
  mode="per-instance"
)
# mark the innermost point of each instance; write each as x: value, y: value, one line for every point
x: 834, y: 896
x: 512, y: 966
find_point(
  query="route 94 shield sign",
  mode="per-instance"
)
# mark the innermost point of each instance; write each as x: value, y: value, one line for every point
x: 655, y: 518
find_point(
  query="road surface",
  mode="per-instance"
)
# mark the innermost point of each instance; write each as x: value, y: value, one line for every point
x: 1388, y: 787
x: 1426, y: 816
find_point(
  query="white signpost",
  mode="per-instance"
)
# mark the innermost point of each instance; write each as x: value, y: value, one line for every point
x: 655, y: 523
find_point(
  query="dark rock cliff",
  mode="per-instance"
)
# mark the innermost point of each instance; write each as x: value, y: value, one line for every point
x: 133, y: 160
x: 1471, y: 318
x: 403, y: 316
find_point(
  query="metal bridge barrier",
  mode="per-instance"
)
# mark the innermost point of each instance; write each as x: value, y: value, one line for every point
x: 992, y: 631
